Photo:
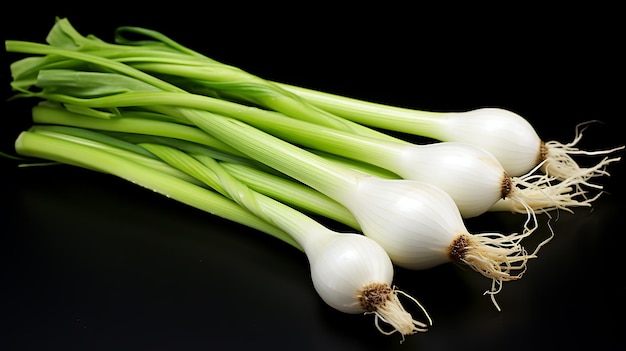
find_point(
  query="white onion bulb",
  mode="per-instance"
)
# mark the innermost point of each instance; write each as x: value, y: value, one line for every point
x: 419, y: 226
x: 516, y: 144
x: 471, y: 176
x: 353, y: 274
x: 505, y: 134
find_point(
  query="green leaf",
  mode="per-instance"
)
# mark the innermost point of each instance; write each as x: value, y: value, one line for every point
x: 88, y: 84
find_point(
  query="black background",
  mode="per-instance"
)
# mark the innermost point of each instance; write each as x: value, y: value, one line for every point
x: 90, y: 262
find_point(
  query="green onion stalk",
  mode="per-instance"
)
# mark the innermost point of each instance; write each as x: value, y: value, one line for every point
x: 350, y: 272
x: 417, y: 223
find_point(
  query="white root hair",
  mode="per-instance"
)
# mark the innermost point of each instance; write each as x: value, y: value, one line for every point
x: 543, y: 193
x: 497, y: 256
x: 559, y: 163
x: 561, y: 183
x: 385, y: 305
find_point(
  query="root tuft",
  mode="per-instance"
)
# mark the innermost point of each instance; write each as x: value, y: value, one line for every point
x: 382, y: 301
x: 558, y: 162
x: 496, y: 256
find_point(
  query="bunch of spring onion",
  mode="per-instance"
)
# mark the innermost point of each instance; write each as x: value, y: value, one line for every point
x: 350, y: 272
x: 137, y: 85
x: 417, y: 224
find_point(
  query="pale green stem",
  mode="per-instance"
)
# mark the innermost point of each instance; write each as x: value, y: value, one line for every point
x: 252, y: 174
x: 112, y: 145
x: 46, y: 147
x: 296, y: 224
x: 328, y: 178
x: 55, y: 115
x: 233, y: 82
x: 372, y: 114
x: 261, y: 179
x: 311, y: 169
x: 369, y: 150
x: 289, y: 192
x: 381, y: 153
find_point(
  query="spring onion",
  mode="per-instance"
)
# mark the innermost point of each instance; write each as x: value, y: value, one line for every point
x: 505, y: 134
x: 162, y: 83
x: 350, y: 272
x: 418, y: 224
